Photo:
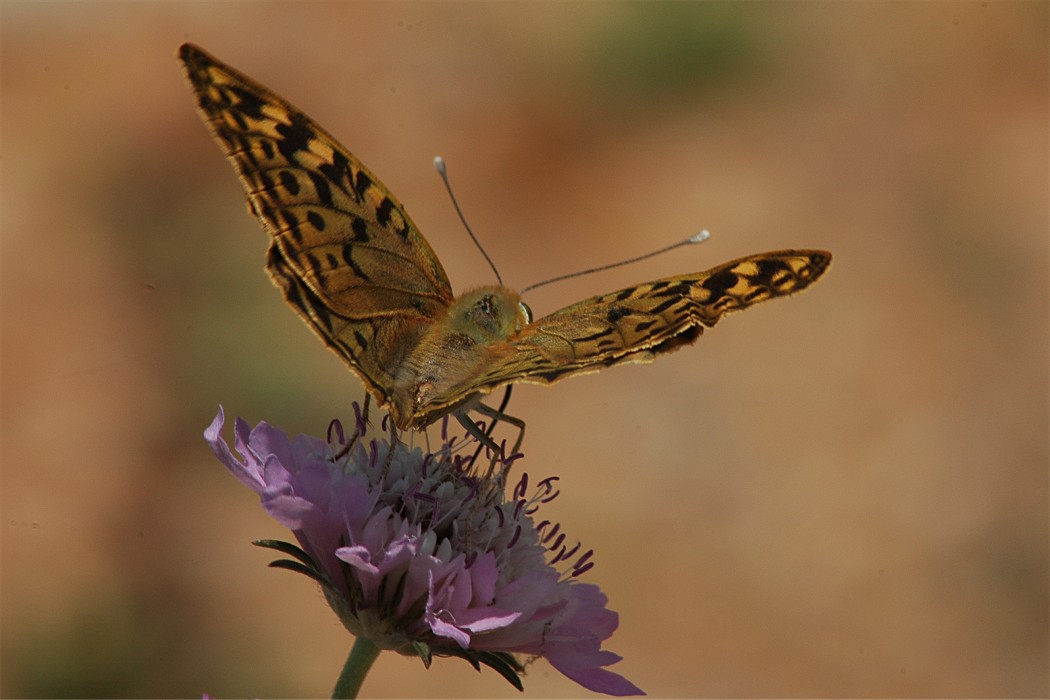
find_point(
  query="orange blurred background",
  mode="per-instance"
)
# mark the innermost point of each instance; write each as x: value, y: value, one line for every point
x: 840, y: 494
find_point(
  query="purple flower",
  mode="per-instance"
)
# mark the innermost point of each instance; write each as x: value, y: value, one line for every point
x: 421, y: 555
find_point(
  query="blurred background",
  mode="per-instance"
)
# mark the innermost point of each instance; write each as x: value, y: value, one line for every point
x: 839, y: 494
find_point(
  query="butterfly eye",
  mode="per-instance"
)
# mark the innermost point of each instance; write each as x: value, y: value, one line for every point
x: 526, y: 311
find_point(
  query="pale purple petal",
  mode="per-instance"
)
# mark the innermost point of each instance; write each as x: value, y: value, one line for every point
x: 486, y: 619
x: 573, y: 644
x: 439, y: 626
x: 484, y: 574
x: 247, y: 473
x: 592, y: 677
x: 357, y: 557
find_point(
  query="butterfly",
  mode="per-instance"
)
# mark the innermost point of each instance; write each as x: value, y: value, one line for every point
x: 349, y: 260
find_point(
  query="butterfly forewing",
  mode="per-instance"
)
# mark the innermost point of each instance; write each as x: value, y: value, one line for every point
x: 637, y: 323
x: 341, y: 232
x: 344, y: 252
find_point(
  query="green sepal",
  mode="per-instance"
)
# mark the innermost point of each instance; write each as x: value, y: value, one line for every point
x: 285, y: 548
x: 501, y: 662
x: 290, y: 565
x: 304, y: 566
x: 422, y: 650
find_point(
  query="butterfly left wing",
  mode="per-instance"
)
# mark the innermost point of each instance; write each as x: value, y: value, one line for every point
x: 638, y: 323
x: 339, y: 228
x: 342, y: 248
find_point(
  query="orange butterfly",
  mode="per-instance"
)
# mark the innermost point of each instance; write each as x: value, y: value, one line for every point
x: 358, y: 271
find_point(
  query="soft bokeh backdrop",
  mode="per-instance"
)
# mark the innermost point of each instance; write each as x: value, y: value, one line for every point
x: 843, y: 493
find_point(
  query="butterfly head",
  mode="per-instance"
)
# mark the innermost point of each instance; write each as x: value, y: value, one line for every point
x: 488, y: 314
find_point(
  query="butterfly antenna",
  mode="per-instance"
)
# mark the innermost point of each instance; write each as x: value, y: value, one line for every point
x: 695, y: 238
x: 439, y: 165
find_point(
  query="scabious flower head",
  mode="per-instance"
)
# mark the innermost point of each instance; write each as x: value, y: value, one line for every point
x: 421, y: 555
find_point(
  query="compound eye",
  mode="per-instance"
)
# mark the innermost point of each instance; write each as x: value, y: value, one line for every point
x: 526, y: 311
x: 486, y: 306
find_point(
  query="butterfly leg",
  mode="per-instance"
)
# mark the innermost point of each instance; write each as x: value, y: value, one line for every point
x: 500, y: 458
x: 395, y: 437
x: 472, y: 428
x: 499, y: 465
x: 502, y: 412
x: 364, y: 410
x: 497, y: 414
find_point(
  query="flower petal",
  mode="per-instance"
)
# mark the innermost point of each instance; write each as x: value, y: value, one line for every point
x: 247, y: 473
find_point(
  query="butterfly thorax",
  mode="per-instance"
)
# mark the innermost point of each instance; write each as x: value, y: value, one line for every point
x: 437, y: 374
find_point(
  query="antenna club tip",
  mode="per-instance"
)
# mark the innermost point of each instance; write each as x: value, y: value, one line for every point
x: 439, y: 165
x: 699, y: 237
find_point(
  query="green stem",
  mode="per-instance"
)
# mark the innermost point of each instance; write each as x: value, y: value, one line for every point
x: 361, y: 657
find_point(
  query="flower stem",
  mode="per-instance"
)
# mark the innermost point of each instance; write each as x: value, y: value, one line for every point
x: 361, y: 657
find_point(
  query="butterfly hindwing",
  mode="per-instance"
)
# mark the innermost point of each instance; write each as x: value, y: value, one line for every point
x: 372, y: 346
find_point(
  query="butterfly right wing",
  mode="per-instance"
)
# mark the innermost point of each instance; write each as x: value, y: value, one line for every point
x: 638, y: 323
x: 344, y: 252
